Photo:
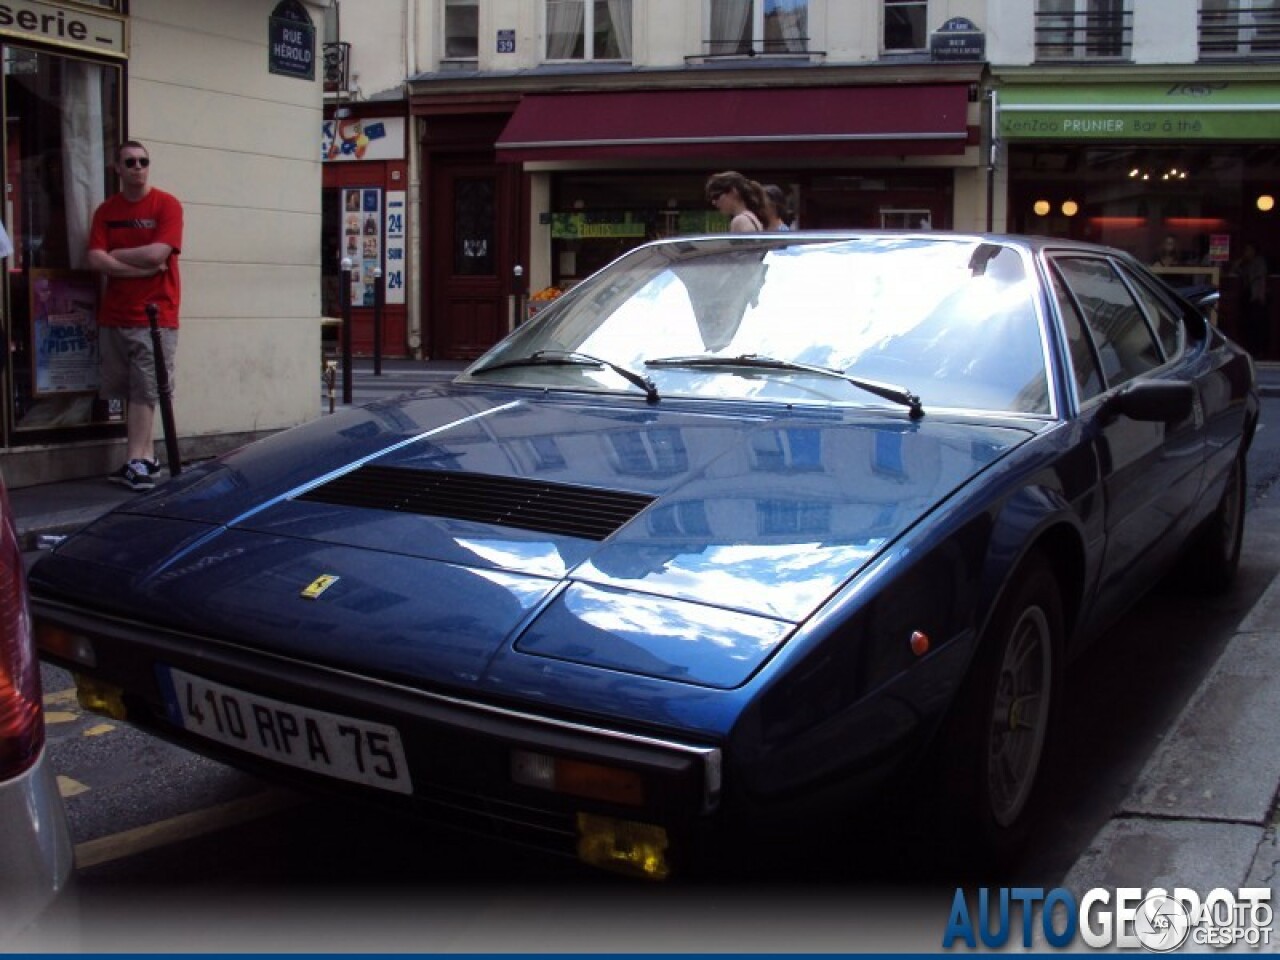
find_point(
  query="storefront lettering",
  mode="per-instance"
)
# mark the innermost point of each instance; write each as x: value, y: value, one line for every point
x: 34, y: 19
x: 50, y: 24
x: 1146, y: 126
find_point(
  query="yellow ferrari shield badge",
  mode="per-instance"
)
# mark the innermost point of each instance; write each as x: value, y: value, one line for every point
x: 318, y: 586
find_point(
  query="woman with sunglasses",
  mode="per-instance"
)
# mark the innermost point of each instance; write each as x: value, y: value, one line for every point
x: 738, y: 198
x: 134, y: 240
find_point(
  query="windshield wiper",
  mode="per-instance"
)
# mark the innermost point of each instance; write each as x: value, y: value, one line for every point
x: 888, y: 391
x: 572, y: 358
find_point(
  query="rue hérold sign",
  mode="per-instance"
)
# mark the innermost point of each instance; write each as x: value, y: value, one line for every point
x: 101, y: 33
x: 291, y: 41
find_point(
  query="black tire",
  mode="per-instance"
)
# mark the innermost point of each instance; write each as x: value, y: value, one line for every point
x: 1213, y: 556
x: 1000, y: 732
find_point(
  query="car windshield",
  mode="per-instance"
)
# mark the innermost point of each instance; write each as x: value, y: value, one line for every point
x: 944, y: 322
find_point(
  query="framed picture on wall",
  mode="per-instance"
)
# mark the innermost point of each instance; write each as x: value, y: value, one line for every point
x: 64, y: 331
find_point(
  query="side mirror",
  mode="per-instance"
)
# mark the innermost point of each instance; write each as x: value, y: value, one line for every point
x: 1152, y: 401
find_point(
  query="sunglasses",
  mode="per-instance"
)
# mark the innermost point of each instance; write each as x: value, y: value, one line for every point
x: 132, y: 162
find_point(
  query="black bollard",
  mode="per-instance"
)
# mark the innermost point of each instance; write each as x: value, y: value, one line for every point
x: 377, y: 322
x: 165, y: 389
x: 345, y: 295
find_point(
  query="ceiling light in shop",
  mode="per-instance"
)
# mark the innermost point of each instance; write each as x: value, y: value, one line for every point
x: 1070, y: 208
x: 1041, y: 207
x: 1265, y: 202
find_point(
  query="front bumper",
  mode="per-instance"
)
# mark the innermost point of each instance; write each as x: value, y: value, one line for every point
x: 461, y: 754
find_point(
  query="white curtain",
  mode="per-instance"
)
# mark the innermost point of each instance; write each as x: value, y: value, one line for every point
x: 730, y: 20
x: 83, y: 172
x: 620, y: 18
x: 564, y: 28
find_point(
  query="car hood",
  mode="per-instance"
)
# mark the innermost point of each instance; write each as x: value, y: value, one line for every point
x: 445, y: 533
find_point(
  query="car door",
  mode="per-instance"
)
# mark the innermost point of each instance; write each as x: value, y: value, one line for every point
x: 1150, y: 471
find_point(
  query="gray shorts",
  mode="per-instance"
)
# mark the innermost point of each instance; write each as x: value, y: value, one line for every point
x: 128, y: 370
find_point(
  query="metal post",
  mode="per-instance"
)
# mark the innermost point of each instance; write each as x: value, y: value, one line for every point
x: 345, y: 297
x: 377, y: 321
x: 517, y: 291
x: 165, y: 389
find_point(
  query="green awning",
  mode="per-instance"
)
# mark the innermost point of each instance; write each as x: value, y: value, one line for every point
x: 1221, y: 110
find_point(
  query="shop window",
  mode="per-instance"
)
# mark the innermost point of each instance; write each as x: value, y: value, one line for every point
x: 905, y: 26
x: 588, y: 29
x: 1078, y: 29
x: 461, y: 29
x: 1239, y: 28
x: 748, y: 27
x: 61, y: 129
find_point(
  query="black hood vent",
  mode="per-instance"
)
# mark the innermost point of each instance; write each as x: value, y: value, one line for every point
x: 510, y: 502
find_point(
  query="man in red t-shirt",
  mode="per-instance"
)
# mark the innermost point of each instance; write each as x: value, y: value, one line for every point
x: 134, y: 241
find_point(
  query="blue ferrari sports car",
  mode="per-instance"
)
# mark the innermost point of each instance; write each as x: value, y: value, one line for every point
x: 738, y: 531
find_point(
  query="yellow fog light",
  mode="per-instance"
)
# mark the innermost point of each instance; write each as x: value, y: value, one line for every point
x: 99, y: 697
x: 639, y: 849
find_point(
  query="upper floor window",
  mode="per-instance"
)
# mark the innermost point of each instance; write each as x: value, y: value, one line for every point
x: 588, y: 29
x: 745, y: 27
x: 1083, y: 29
x: 906, y: 25
x: 461, y: 29
x: 1236, y: 28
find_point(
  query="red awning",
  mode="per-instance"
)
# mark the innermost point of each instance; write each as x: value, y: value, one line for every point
x: 751, y: 124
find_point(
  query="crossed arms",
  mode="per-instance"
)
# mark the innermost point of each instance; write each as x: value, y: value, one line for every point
x: 144, y: 261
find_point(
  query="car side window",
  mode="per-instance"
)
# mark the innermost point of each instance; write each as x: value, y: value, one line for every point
x: 1084, y: 360
x: 1126, y: 346
x: 1168, y: 325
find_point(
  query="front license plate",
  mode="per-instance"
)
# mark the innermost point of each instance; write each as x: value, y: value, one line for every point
x: 326, y: 743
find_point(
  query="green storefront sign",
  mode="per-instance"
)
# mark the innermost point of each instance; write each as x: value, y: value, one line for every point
x: 1221, y: 110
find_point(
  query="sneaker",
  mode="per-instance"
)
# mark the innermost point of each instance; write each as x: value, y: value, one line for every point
x: 153, y: 467
x: 135, y: 475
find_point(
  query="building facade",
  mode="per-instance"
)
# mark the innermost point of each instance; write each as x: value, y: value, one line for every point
x: 227, y: 97
x: 1151, y: 125
x: 545, y: 137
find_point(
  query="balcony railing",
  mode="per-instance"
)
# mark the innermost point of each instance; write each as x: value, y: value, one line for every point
x: 736, y: 47
x: 337, y: 68
x: 1105, y: 34
x: 1244, y: 30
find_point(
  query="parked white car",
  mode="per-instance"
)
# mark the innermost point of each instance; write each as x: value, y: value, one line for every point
x: 36, y: 860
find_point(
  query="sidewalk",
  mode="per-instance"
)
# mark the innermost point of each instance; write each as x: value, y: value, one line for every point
x: 1202, y: 813
x: 57, y: 509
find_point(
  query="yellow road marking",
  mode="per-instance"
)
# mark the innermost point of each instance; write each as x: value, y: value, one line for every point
x: 60, y: 716
x: 185, y: 826
x: 70, y: 788
x: 99, y: 729
x: 60, y: 698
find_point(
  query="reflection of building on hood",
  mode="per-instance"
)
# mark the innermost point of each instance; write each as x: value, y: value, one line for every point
x: 721, y: 288
x: 628, y: 561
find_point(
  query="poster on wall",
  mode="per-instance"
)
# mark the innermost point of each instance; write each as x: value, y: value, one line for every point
x: 362, y: 138
x: 64, y: 331
x: 395, y: 270
x: 362, y: 240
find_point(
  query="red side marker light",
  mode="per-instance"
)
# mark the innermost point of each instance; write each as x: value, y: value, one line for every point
x: 919, y: 643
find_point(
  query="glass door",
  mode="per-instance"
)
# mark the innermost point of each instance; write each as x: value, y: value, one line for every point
x: 61, y: 125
